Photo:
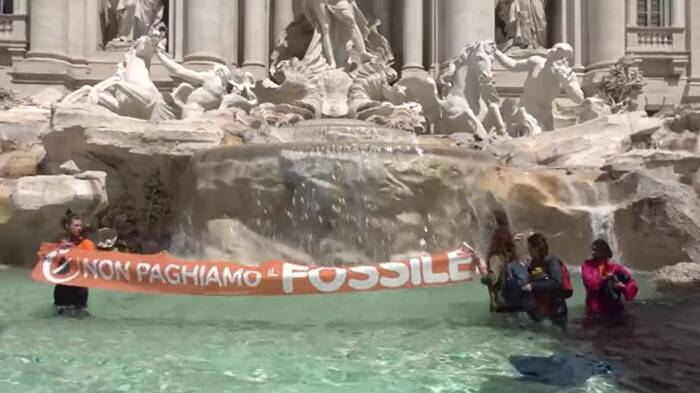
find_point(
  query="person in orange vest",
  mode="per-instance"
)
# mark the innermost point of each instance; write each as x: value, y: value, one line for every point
x: 70, y: 300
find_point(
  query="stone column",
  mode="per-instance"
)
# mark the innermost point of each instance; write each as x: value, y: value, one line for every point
x: 576, y: 33
x: 631, y: 13
x: 413, y: 38
x: 284, y: 15
x: 558, y: 21
x: 204, y: 31
x: 382, y: 11
x: 694, y: 43
x: 606, y: 32
x: 677, y: 13
x: 80, y: 15
x: 466, y: 21
x: 49, y: 29
x: 255, y: 34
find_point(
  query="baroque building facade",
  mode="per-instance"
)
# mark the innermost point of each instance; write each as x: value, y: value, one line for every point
x: 70, y: 43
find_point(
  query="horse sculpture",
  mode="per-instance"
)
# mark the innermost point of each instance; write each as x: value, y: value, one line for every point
x: 131, y: 91
x: 466, y: 82
x: 469, y: 80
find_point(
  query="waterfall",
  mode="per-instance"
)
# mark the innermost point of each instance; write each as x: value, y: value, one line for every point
x: 603, y: 219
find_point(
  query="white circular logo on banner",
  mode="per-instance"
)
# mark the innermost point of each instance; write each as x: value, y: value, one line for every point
x: 54, y: 275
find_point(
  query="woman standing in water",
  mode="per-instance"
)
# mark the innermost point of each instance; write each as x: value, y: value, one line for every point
x: 500, y: 253
x: 546, y: 283
x: 517, y: 276
x: 71, y: 300
x: 606, y: 283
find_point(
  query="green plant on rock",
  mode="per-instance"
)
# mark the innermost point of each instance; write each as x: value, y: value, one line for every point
x: 158, y: 203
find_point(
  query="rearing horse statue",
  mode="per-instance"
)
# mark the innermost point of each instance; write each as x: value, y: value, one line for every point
x: 469, y: 79
x: 131, y: 91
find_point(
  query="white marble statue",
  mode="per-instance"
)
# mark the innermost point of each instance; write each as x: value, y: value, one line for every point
x: 134, y: 18
x: 131, y: 91
x: 523, y: 24
x: 336, y: 24
x: 469, y: 79
x: 546, y: 78
x: 332, y: 62
x: 217, y: 88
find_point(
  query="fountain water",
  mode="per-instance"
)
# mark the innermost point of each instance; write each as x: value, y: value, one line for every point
x: 603, y: 219
x: 348, y: 201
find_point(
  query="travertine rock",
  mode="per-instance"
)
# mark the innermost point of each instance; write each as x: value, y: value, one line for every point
x: 19, y: 163
x: 333, y: 200
x: 586, y: 144
x: 31, y: 208
x: 657, y: 221
x: 47, y: 97
x: 142, y: 160
x: 230, y: 240
x: 69, y: 168
x: 680, y: 279
x: 21, y: 151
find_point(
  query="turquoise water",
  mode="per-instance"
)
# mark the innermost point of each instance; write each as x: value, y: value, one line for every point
x: 436, y: 340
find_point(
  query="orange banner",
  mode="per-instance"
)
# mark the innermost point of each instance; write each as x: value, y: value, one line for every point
x: 164, y: 273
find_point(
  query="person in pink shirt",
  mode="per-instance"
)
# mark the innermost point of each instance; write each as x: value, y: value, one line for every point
x: 606, y: 283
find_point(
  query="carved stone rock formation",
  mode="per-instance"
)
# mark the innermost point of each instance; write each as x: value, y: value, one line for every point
x: 681, y: 279
x: 347, y: 74
x: 621, y: 88
x: 29, y: 207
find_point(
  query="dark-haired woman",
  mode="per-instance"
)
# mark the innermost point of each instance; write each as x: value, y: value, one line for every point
x: 70, y: 300
x: 500, y: 253
x: 545, y: 283
x: 606, y: 283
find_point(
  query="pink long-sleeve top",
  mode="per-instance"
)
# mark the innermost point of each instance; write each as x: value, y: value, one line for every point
x: 597, y: 302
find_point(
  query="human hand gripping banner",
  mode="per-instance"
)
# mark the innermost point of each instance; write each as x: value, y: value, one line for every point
x: 163, y: 273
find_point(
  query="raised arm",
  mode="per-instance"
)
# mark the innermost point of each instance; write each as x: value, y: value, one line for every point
x: 512, y: 64
x: 573, y: 90
x: 178, y: 70
x: 568, y: 80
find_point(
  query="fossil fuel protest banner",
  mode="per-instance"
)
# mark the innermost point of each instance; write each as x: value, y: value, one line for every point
x: 163, y: 273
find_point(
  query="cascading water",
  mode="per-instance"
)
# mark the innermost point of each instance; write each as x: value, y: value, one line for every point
x: 346, y: 201
x: 603, y: 218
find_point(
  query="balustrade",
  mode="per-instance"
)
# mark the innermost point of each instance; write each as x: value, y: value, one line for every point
x: 655, y: 39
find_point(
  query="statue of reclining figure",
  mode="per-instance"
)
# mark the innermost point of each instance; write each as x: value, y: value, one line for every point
x: 216, y: 88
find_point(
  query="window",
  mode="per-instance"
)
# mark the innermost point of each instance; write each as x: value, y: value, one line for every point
x: 652, y: 13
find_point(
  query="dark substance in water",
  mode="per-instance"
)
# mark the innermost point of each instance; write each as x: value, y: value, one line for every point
x: 560, y: 370
x: 656, y: 347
